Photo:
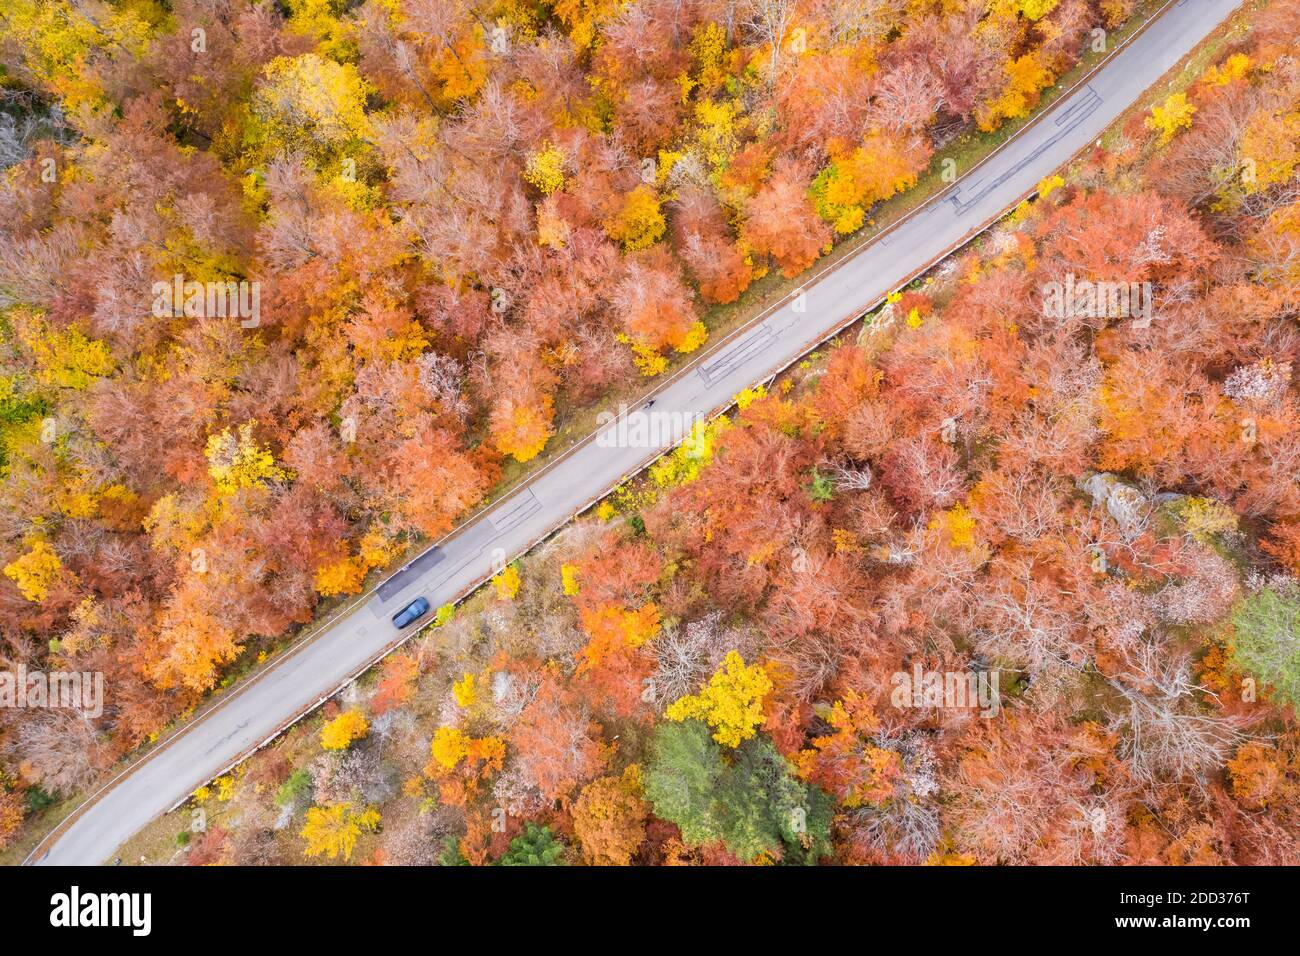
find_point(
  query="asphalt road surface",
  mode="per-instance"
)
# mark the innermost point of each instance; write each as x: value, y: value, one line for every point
x: 266, y: 702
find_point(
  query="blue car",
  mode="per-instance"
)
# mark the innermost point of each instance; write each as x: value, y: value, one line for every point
x: 411, y: 612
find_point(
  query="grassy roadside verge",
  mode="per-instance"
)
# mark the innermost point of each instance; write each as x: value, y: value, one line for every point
x: 575, y: 425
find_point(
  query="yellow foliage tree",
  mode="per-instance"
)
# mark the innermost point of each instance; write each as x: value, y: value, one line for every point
x: 465, y: 691
x: 545, y: 169
x: 1027, y: 76
x: 882, y: 166
x: 716, y: 130
x: 1270, y: 148
x: 309, y: 101
x: 507, y: 583
x: 1203, y: 518
x: 321, y: 20
x: 569, y: 579
x: 377, y: 548
x: 462, y: 64
x: 236, y: 461
x: 684, y: 464
x: 1168, y: 118
x: 173, y: 525
x: 333, y: 830
x: 35, y: 571
x: 695, y: 336
x: 1048, y: 185
x: 731, y: 703
x: 59, y: 39
x: 1037, y: 9
x: 225, y: 788
x: 1234, y: 68
x: 343, y: 730
x: 647, y: 359
x: 521, y: 429
x: 959, y: 526
x: 639, y: 222
x: 345, y: 576
x: 64, y: 359
x: 450, y: 746
x: 708, y: 47
x: 583, y: 18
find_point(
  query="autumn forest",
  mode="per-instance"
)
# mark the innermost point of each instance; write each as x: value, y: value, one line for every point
x: 989, y: 578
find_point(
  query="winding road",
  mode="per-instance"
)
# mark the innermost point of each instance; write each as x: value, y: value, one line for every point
x: 255, y: 711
